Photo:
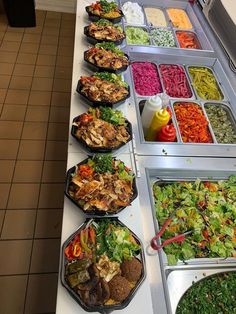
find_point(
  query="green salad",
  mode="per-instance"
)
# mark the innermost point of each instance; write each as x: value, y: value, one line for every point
x: 111, y: 77
x: 208, y: 209
x: 110, y: 46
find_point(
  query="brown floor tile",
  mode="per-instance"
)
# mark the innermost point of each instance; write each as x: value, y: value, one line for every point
x: 34, y: 131
x: 56, y: 150
x: 40, y: 98
x: 41, y: 14
x: 68, y: 16
x: 52, y: 22
x: 4, y: 81
x: 8, y: 57
x: 17, y: 97
x: 10, y: 46
x: 3, y: 27
x: 4, y: 192
x: 28, y: 171
x: 2, y: 214
x: 46, y: 60
x: 59, y: 114
x: 48, y: 49
x: 61, y: 85
x: 26, y: 58
x: 41, y: 294
x: 54, y: 171
x: 57, y: 131
x: 24, y: 70
x: 6, y: 68
x: 16, y: 285
x: 37, y: 113
x: 63, y: 61
x: 29, y: 48
x: 42, y: 84
x: 51, y: 195
x: 15, y: 29
x: 45, y: 256
x: 44, y: 71
x: 31, y: 38
x: 10, y: 129
x: 3, y: 92
x: 34, y: 30
x: 68, y: 23
x: 63, y: 73
x: 67, y: 32
x: 48, y: 223
x: 31, y: 150
x: 49, y: 39
x: 13, y: 112
x: 18, y: 224
x: 2, y: 34
x: 65, y: 50
x: 60, y: 99
x: 53, y: 15
x: 6, y: 170
x: 23, y: 196
x: 15, y: 257
x: 51, y: 31
x: 67, y: 41
x: 20, y: 82
x: 9, y: 36
x: 8, y: 149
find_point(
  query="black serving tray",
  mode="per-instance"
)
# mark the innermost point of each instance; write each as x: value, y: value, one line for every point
x: 96, y: 68
x: 103, y: 309
x: 94, y: 17
x: 94, y: 41
x: 93, y: 103
x: 69, y: 174
x: 99, y: 149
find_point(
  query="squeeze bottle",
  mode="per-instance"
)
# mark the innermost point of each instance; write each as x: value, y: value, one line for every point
x: 159, y: 119
x: 152, y: 105
x: 167, y: 134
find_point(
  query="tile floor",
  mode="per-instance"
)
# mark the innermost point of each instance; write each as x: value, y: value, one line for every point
x: 35, y: 83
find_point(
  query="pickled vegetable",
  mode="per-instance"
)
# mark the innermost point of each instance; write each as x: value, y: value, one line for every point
x: 221, y: 124
x: 192, y: 123
x: 175, y: 81
x: 136, y: 36
x: 187, y: 40
x: 162, y: 37
x: 205, y: 83
x: 179, y: 18
x: 212, y: 295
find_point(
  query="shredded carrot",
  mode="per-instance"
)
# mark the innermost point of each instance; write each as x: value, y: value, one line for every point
x: 187, y: 40
x: 192, y: 123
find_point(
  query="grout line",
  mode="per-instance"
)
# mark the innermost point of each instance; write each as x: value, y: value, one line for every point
x: 25, y: 274
x: 26, y: 239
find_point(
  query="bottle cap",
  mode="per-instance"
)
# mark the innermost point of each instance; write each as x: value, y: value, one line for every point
x: 155, y: 101
x: 165, y: 100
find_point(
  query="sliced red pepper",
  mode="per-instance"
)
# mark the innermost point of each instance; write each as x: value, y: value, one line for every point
x: 92, y: 235
x: 85, y: 170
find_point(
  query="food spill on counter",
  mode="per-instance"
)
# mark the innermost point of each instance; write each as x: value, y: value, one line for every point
x: 133, y: 13
x: 162, y: 37
x: 179, y: 18
x: 146, y: 78
x: 223, y: 127
x: 108, y: 56
x: 192, y: 123
x: 204, y: 81
x: 100, y: 269
x: 175, y: 81
x: 187, y: 40
x: 212, y: 295
x: 103, y: 128
x: 136, y: 36
x: 102, y: 184
x: 205, y: 209
x: 155, y: 17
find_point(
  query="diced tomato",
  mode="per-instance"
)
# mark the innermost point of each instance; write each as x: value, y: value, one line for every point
x: 85, y: 118
x: 85, y: 170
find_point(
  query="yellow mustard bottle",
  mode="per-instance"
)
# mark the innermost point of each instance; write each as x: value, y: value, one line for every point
x: 160, y: 119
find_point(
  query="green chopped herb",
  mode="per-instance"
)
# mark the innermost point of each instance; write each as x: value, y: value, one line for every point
x: 110, y: 46
x: 112, y: 116
x: 103, y: 163
x: 108, y: 6
x: 111, y: 77
x: 103, y: 22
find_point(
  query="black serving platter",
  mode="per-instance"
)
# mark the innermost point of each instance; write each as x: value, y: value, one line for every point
x: 94, y: 41
x: 103, y: 309
x: 74, y: 129
x: 97, y: 68
x: 94, y: 17
x: 69, y: 174
x: 94, y: 103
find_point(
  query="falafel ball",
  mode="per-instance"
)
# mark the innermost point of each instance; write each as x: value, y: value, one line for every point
x: 119, y: 288
x: 131, y: 269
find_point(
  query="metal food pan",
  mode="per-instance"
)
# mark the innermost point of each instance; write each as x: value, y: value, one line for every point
x: 137, y: 26
x: 164, y: 28
x: 186, y: 31
x: 170, y: 176
x: 202, y: 108
x: 218, y: 83
x: 141, y: 102
x: 228, y: 111
x: 185, y: 10
x: 133, y: 24
x: 179, y: 281
x: 156, y: 7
